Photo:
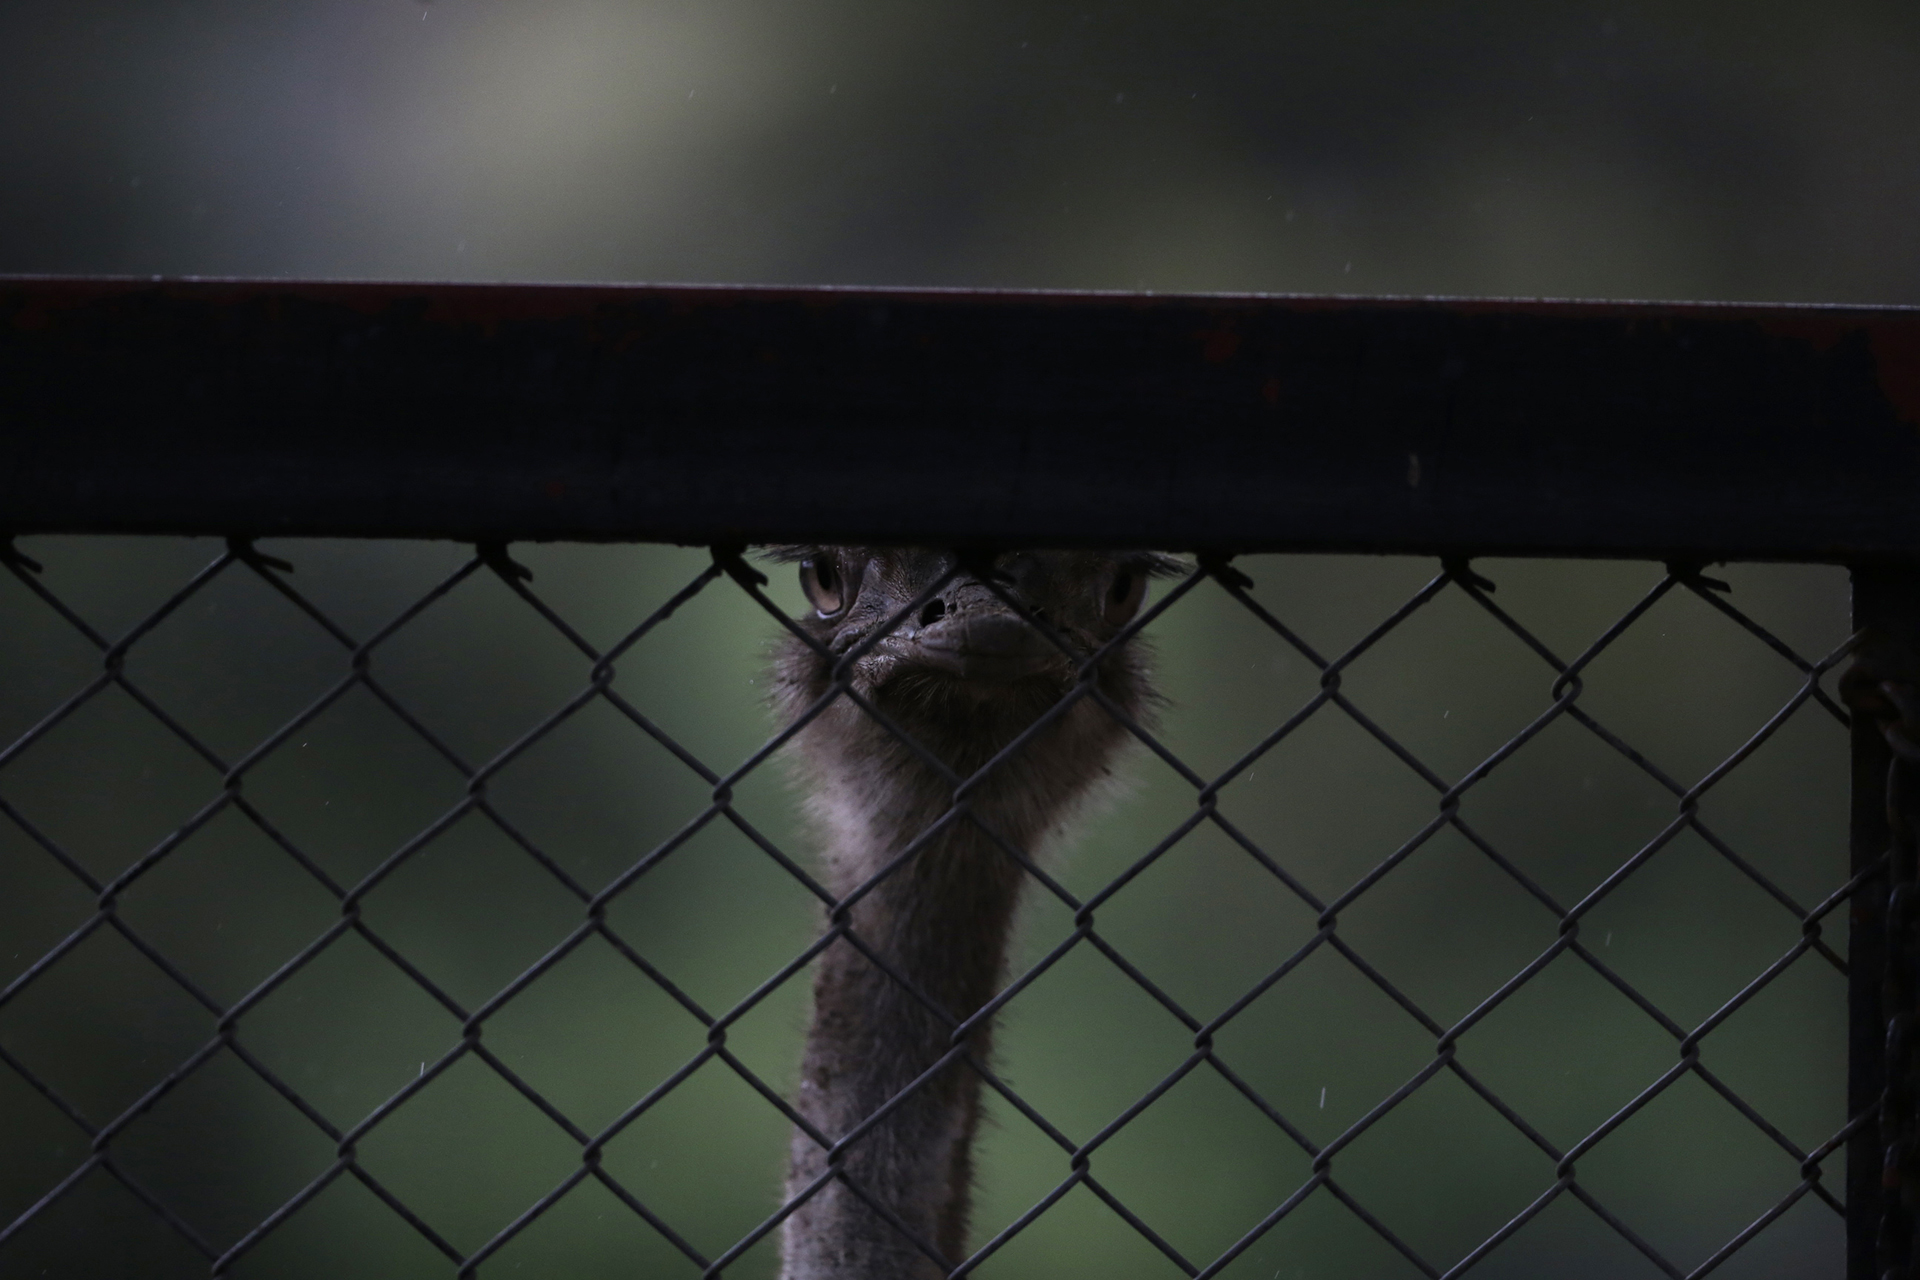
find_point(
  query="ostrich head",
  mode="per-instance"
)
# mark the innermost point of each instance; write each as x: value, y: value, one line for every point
x: 954, y: 665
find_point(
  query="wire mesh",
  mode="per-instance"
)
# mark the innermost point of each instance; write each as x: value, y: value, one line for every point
x: 1369, y: 1173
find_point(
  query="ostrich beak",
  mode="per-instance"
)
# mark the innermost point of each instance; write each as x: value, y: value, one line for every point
x: 982, y: 643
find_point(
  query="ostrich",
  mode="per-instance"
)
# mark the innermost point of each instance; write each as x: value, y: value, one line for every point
x: 963, y: 675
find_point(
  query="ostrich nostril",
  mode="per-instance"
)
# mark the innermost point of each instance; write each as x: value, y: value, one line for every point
x: 934, y: 611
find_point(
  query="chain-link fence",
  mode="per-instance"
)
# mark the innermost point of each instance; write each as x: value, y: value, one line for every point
x: 1413, y: 1047
x: 440, y: 900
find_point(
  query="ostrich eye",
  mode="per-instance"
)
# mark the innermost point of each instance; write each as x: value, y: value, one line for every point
x: 1124, y: 596
x: 825, y: 588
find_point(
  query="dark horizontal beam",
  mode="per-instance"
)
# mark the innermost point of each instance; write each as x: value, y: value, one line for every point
x: 735, y: 414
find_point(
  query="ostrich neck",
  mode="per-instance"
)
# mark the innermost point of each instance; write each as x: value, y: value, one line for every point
x: 940, y: 922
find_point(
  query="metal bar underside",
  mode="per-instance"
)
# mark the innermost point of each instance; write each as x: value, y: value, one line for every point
x: 703, y: 414
x: 1886, y: 606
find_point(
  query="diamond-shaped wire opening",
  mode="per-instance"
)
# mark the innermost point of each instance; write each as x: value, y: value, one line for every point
x: 1321, y: 1236
x: 468, y: 1155
x: 1444, y: 1135
x: 223, y: 1149
x: 98, y: 1227
x: 1258, y: 921
x: 1202, y: 1165
x: 102, y: 1025
x: 1687, y: 1128
x: 382, y: 1151
x: 228, y: 906
x: 589, y: 1230
x: 1570, y: 811
x: 343, y: 1229
x: 348, y: 1030
x: 107, y: 783
x: 354, y: 784
x: 234, y: 663
x: 1567, y: 1050
x: 1769, y: 1051
x: 1771, y: 827
x: 645, y: 1034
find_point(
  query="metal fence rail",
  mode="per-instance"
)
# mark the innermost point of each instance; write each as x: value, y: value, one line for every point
x: 1209, y: 426
x: 716, y: 415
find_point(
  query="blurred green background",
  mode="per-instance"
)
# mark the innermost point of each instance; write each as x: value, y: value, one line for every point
x: 478, y: 668
x: 1677, y: 151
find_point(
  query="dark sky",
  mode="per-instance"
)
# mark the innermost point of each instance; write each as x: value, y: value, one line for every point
x: 1727, y: 150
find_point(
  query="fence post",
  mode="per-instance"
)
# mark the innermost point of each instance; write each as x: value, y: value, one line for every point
x: 1884, y: 976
